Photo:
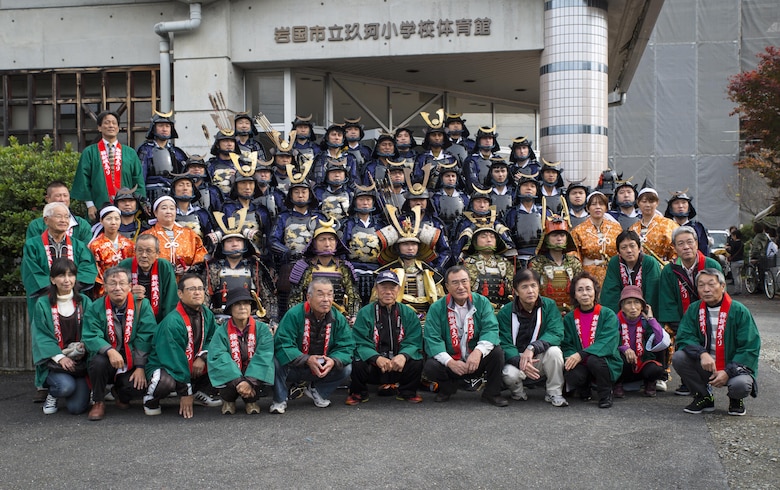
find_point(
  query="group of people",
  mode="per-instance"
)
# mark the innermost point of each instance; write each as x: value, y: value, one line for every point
x: 442, y: 266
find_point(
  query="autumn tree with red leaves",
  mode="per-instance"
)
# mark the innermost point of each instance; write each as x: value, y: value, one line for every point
x: 757, y: 95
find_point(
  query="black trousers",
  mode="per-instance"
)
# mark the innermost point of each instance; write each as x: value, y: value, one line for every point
x: 491, y: 365
x: 229, y: 393
x: 649, y: 372
x: 101, y: 373
x: 161, y: 386
x: 595, y: 369
x: 365, y: 373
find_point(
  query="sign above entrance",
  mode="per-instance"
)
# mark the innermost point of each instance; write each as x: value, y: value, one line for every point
x: 374, y: 31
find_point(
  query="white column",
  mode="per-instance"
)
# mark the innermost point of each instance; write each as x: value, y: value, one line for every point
x: 574, y: 85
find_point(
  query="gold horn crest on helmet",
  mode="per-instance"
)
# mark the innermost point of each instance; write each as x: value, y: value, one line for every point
x: 245, y: 170
x: 437, y: 123
x: 298, y: 177
x: 233, y: 227
x: 417, y: 188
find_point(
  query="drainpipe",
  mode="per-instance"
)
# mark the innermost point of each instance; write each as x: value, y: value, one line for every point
x: 163, y: 29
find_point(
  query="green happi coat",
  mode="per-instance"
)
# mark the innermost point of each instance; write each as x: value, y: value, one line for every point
x: 82, y: 231
x: 223, y: 369
x: 613, y: 284
x: 289, y: 337
x: 670, y: 307
x: 94, y: 331
x: 437, y: 328
x: 35, y: 268
x: 168, y: 297
x: 169, y: 349
x: 605, y: 344
x: 742, y: 341
x: 363, y: 332
x: 89, y: 183
x: 44, y: 344
x: 551, y: 330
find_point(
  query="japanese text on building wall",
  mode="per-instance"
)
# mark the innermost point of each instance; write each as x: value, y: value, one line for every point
x: 386, y: 30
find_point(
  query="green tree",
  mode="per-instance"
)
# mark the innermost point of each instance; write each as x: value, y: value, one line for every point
x: 757, y: 95
x: 26, y: 171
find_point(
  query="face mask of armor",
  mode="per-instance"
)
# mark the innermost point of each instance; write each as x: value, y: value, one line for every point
x: 404, y: 146
x: 334, y: 182
x: 398, y: 184
x: 407, y: 256
x: 680, y: 215
x: 627, y: 204
x: 435, y: 144
x: 183, y: 198
x: 485, y: 147
x: 522, y: 159
x: 236, y: 253
x: 385, y: 155
x: 556, y: 247
x: 491, y: 248
x: 365, y: 210
x: 128, y: 213
x: 527, y: 197
x: 334, y: 145
x: 577, y: 209
x: 447, y: 186
x: 482, y: 213
x: 454, y: 133
x: 499, y: 183
x: 224, y: 153
x: 263, y: 182
x: 161, y: 137
x: 300, y: 204
x: 353, y: 139
x: 325, y: 253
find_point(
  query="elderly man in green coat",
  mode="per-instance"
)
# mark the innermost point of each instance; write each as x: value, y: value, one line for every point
x: 241, y: 354
x: 313, y: 344
x: 178, y: 359
x: 117, y: 332
x: 152, y: 278
x: 388, y: 340
x: 461, y: 340
x: 717, y: 345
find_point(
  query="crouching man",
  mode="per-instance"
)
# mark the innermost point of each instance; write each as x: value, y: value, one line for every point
x: 388, y: 339
x: 178, y: 360
x: 531, y: 330
x: 717, y: 343
x: 312, y: 344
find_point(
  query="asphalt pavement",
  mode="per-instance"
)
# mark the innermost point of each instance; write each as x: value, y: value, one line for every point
x: 384, y: 443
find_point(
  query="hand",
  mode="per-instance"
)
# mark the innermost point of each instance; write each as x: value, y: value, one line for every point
x: 707, y: 362
x: 214, y: 237
x: 250, y: 233
x: 185, y: 406
x: 198, y: 366
x: 531, y: 371
x: 180, y: 269
x: 245, y: 389
x: 719, y: 378
x: 138, y: 378
x: 399, y: 361
x: 67, y: 364
x: 115, y: 358
x: 472, y: 363
x: 525, y: 359
x: 458, y: 367
x: 572, y: 361
x: 630, y: 356
x: 384, y: 364
x: 92, y: 213
x: 351, y: 320
x: 329, y: 363
x: 139, y: 292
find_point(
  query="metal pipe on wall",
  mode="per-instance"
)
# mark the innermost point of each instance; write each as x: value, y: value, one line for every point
x: 163, y: 29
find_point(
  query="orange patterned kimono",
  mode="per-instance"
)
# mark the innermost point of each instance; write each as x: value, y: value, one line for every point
x: 596, y: 247
x: 107, y: 256
x: 179, y: 246
x: 657, y: 238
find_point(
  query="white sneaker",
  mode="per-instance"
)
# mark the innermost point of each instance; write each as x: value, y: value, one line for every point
x: 556, y: 400
x: 519, y: 393
x: 319, y: 401
x: 278, y: 407
x: 50, y: 405
x: 660, y: 385
x: 151, y: 410
x: 109, y: 397
x: 207, y: 400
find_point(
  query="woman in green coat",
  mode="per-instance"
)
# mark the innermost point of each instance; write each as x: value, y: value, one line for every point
x: 58, y: 353
x: 590, y: 342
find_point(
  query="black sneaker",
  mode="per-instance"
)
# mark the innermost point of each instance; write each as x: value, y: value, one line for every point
x: 701, y: 404
x: 737, y: 407
x: 682, y: 390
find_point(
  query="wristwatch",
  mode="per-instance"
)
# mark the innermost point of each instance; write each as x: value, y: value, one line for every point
x: 530, y: 347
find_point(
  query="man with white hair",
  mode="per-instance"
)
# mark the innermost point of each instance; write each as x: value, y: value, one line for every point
x: 54, y: 243
x: 717, y: 346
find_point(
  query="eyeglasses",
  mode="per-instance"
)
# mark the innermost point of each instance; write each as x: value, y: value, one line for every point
x: 194, y: 289
x: 464, y: 282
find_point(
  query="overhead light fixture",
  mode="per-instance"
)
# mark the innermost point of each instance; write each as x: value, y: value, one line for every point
x: 520, y: 90
x: 468, y: 80
x: 412, y: 70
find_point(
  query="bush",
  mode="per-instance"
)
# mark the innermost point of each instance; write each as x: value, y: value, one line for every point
x: 26, y: 171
